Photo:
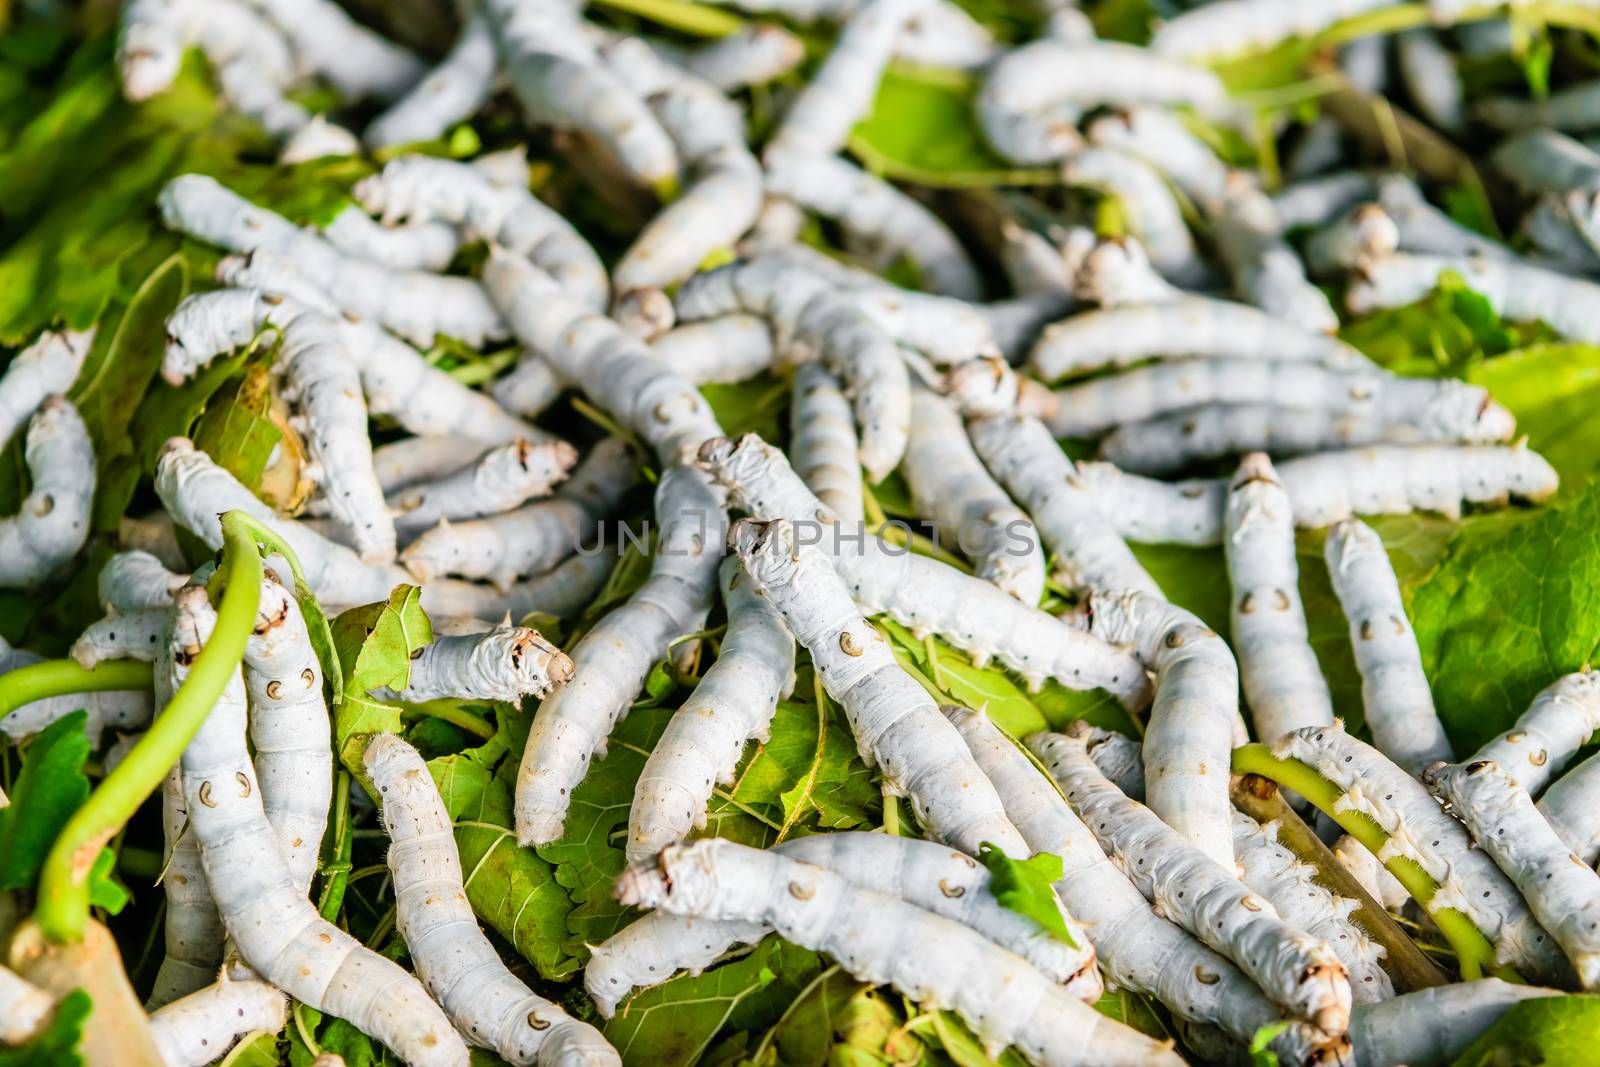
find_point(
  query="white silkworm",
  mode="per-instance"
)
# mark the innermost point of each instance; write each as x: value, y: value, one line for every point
x: 1570, y: 808
x: 924, y: 594
x: 418, y: 246
x: 1139, y: 949
x: 841, y: 92
x: 1546, y: 736
x: 53, y: 521
x: 1298, y: 971
x: 134, y: 580
x: 612, y: 661
x: 196, y: 491
x: 192, y: 932
x: 922, y: 873
x: 1576, y: 108
x: 1037, y: 265
x: 810, y: 321
x: 1544, y: 161
x: 1153, y: 213
x: 203, y: 1026
x: 1428, y: 70
x: 1562, y: 891
x: 1328, y: 487
x: 45, y: 368
x: 1421, y: 227
x: 1291, y: 887
x: 754, y: 55
x: 497, y: 481
x: 872, y: 934
x: 1118, y: 271
x: 422, y: 188
x: 1516, y: 290
x: 415, y: 304
x: 289, y: 730
x: 318, y: 139
x: 455, y: 961
x: 1373, y: 876
x: 126, y: 708
x: 252, y: 58
x: 1265, y: 269
x: 507, y: 663
x: 530, y: 388
x: 1318, y: 201
x: 1319, y: 148
x: 1194, y: 327
x: 822, y: 442
x: 942, y: 328
x: 395, y: 377
x: 950, y: 485
x: 277, y: 931
x: 942, y: 34
x: 983, y: 387
x: 724, y: 193
x: 1421, y: 831
x: 1368, y: 231
x: 560, y: 591
x: 726, y: 349
x: 1189, y: 735
x: 137, y: 636
x: 1551, y: 227
x: 1020, y: 453
x: 449, y: 93
x: 1283, y: 683
x: 891, y: 223
x: 615, y: 369
x: 529, y: 539
x: 1232, y: 27
x: 1361, y: 410
x: 558, y: 78
x: 733, y: 703
x: 1160, y: 138
x: 1432, y: 1027
x: 1394, y: 689
x: 424, y: 458
x: 24, y: 1008
x: 1119, y: 757
x: 1032, y: 97
x: 897, y: 726
x: 357, y: 61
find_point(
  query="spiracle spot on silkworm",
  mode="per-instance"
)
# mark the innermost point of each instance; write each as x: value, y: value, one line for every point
x: 954, y: 892
x: 536, y: 1023
x: 274, y: 688
x: 244, y: 782
x: 848, y: 644
x: 801, y: 891
x: 205, y: 795
x: 1205, y: 977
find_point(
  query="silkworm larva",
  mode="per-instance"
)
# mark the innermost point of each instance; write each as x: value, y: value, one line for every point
x: 53, y: 521
x: 507, y: 663
x: 1297, y: 970
x: 418, y: 246
x: 127, y: 708
x: 612, y: 661
x: 1021, y: 454
x: 944, y: 329
x: 871, y: 934
x: 726, y: 349
x: 1562, y: 891
x: 46, y: 367
x: 1551, y: 227
x: 456, y: 962
x: 755, y: 55
x: 449, y: 93
x: 1235, y: 26
x: 24, y: 1008
x: 1424, y: 228
x: 1572, y: 109
x: 1194, y: 327
x: 1118, y: 271
x: 733, y: 703
x: 136, y: 635
x: 924, y: 594
x: 318, y: 138
x: 497, y: 481
x: 1318, y: 201
x: 1544, y: 161
x: 1154, y: 215
x: 1283, y: 683
x: 1432, y: 1027
x: 1570, y: 807
x: 560, y: 591
x: 1374, y: 877
x: 1545, y: 738
x: 1394, y: 689
x: 1366, y: 232
x: 204, y: 1025
x: 275, y: 928
x: 530, y: 387
x: 822, y: 442
x: 134, y: 580
x: 1265, y: 269
x: 1428, y: 70
x: 1160, y: 138
x: 357, y: 61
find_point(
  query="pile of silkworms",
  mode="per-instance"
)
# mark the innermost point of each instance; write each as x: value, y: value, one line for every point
x: 1192, y: 358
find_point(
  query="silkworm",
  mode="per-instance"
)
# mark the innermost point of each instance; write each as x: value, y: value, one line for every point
x: 1283, y: 682
x: 1551, y: 227
x: 1420, y: 830
x: 1572, y: 109
x: 1118, y: 271
x: 196, y: 1029
x: 897, y: 726
x: 733, y: 703
x: 455, y: 961
x: 1318, y: 201
x: 1160, y: 138
x: 513, y: 544
x: 318, y: 138
x: 1366, y: 232
x: 275, y: 928
x: 560, y: 591
x: 1154, y: 216
x: 809, y: 321
x: 1429, y: 72
x: 950, y: 484
x: 822, y: 442
x: 1265, y: 269
x: 126, y: 708
x: 134, y: 580
x: 1020, y: 452
x: 423, y: 458
x: 1194, y: 327
x: 418, y: 246
x: 451, y: 92
x: 530, y: 387
x: 942, y: 328
x: 924, y: 594
x: 724, y: 880
x: 1421, y: 227
x: 1545, y: 161
x: 53, y: 521
x: 1544, y: 739
x: 136, y: 635
x: 1139, y: 949
x: 423, y: 189
x: 1570, y: 808
x: 1194, y: 721
x: 47, y: 367
x: 1432, y: 1027
x: 1562, y: 891
x: 1299, y: 971
x: 726, y: 349
x: 1374, y: 877
x: 1237, y: 26
x: 357, y: 61
x: 507, y: 663
x: 417, y: 305
x: 612, y: 661
x: 501, y: 479
x: 1394, y: 689
x: 754, y: 55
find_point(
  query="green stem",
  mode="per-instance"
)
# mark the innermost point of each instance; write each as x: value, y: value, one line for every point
x: 695, y: 19
x: 1473, y: 950
x: 64, y: 882
x: 337, y: 870
x: 448, y: 711
x: 63, y: 677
